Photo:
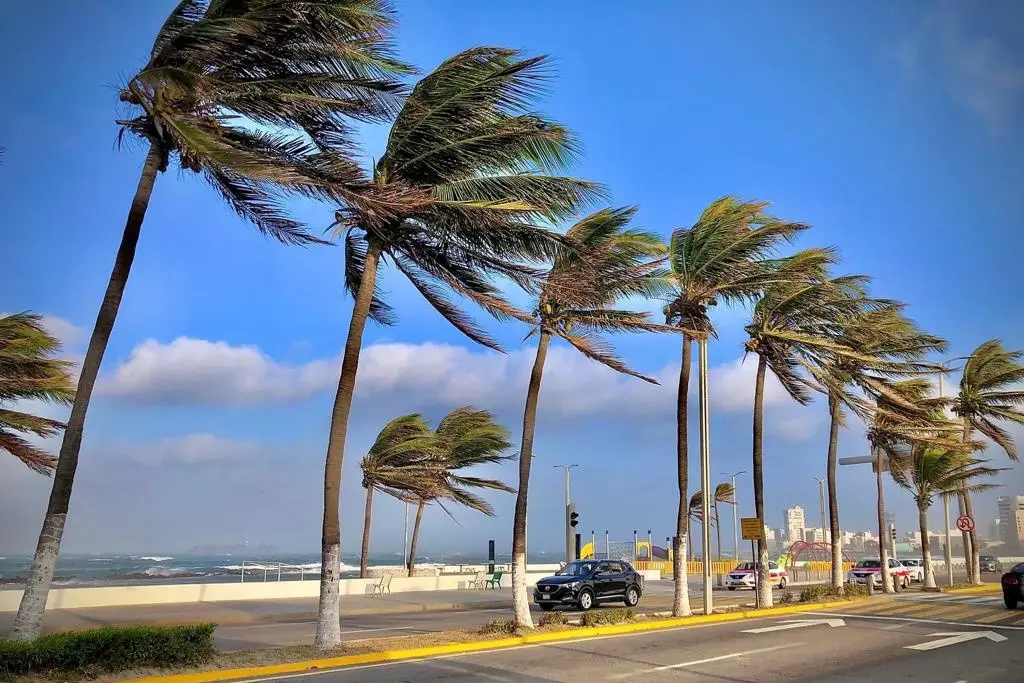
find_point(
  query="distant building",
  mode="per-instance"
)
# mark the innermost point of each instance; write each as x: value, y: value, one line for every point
x: 816, y: 535
x: 793, y: 522
x: 1011, y: 521
x: 994, y: 533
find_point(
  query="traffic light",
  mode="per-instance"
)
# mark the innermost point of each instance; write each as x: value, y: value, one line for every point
x: 574, y: 519
x: 892, y: 531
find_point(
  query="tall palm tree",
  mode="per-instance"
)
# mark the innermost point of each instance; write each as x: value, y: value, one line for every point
x: 467, y: 438
x: 28, y: 371
x: 795, y: 318
x: 297, y: 67
x: 927, y: 471
x: 890, y: 345
x: 989, y: 394
x: 724, y: 257
x: 405, y: 462
x: 459, y: 196
x: 724, y: 493
x: 608, y: 262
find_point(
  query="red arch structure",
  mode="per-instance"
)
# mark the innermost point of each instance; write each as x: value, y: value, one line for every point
x: 812, y: 551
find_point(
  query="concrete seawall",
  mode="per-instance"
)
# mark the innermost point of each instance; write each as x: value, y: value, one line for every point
x: 115, y: 596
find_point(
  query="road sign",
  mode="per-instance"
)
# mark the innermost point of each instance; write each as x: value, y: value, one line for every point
x: 955, y: 638
x: 753, y: 528
x: 797, y: 623
x: 964, y: 523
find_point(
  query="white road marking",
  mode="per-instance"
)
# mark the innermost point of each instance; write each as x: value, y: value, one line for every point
x: 709, y: 660
x: 797, y: 623
x: 955, y: 639
x: 876, y: 617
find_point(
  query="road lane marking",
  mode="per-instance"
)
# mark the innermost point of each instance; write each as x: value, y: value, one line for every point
x: 797, y: 623
x: 708, y: 660
x: 946, y: 639
x: 878, y: 617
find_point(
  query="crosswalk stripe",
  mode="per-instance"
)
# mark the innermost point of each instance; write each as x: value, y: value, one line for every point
x: 896, y: 608
x: 998, y: 616
x: 936, y: 610
x: 1019, y: 622
x: 866, y: 606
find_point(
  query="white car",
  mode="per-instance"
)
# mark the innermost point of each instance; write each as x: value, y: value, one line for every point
x: 870, y: 569
x: 743, y: 576
x: 916, y: 569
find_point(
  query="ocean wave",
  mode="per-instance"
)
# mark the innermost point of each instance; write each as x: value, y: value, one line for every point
x: 156, y: 558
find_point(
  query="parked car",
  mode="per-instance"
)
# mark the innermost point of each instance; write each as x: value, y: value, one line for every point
x: 990, y: 564
x: 870, y: 569
x: 585, y: 583
x: 1013, y: 587
x: 916, y: 569
x: 743, y: 576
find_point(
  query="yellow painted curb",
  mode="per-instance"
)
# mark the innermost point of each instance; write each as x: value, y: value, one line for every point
x: 987, y: 588
x: 479, y: 646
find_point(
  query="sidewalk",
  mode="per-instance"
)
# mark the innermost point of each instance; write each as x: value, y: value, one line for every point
x: 263, y: 611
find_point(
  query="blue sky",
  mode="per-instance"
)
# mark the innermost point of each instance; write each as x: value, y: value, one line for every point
x: 892, y: 128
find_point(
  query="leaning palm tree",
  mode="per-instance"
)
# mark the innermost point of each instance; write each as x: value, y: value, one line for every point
x: 219, y: 78
x: 466, y: 438
x: 608, y: 262
x: 989, y: 394
x: 405, y: 462
x: 724, y: 257
x: 458, y: 197
x: 724, y: 493
x: 694, y: 509
x: 890, y: 346
x: 795, y: 318
x: 927, y: 471
x: 28, y: 371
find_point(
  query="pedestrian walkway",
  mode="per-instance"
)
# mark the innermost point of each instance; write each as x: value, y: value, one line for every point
x: 982, y: 609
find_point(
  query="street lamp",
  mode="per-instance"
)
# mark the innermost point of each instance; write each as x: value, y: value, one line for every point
x: 735, y: 514
x: 568, y: 526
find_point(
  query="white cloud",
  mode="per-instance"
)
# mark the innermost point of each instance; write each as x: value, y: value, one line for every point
x: 191, y: 449
x: 69, y: 334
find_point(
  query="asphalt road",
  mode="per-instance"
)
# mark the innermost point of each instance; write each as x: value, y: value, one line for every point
x: 657, y: 598
x: 834, y: 648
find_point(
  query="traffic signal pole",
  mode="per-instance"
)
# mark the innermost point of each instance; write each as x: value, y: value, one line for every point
x: 570, y: 510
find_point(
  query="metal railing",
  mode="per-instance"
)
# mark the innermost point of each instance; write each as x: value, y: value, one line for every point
x: 273, y: 571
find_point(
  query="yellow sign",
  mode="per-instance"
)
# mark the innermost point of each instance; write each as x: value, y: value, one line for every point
x: 753, y: 528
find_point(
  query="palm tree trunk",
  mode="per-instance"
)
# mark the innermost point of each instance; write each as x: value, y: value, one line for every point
x: 29, y: 620
x: 364, y: 553
x: 970, y: 537
x: 681, y: 592
x: 415, y: 536
x: 926, y: 547
x: 836, y: 416
x: 968, y: 555
x: 328, y: 627
x: 520, y: 599
x: 883, y: 533
x: 764, y: 586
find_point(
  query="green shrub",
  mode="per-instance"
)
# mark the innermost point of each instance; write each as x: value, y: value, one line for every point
x: 507, y: 626
x: 553, y: 619
x: 813, y: 593
x: 109, y: 649
x: 786, y: 598
x: 606, y: 617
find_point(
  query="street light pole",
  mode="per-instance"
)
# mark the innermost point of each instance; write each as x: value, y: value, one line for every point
x: 948, y: 554
x: 405, y: 545
x: 735, y: 514
x: 568, y: 527
x: 821, y: 506
x: 705, y: 471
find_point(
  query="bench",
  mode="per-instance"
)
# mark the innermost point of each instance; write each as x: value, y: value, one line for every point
x: 383, y: 585
x: 494, y: 581
x: 478, y: 581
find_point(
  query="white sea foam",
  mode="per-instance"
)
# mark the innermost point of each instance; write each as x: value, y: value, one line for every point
x: 168, y: 571
x: 156, y: 558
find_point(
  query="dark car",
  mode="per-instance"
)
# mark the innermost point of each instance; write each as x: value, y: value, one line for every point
x: 585, y: 583
x: 1013, y: 583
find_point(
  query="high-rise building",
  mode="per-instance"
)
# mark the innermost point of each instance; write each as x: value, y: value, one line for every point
x: 794, y: 524
x: 1011, y: 521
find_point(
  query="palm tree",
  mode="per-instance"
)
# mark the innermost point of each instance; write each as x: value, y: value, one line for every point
x: 297, y: 67
x: 724, y: 493
x: 795, y: 318
x: 723, y: 257
x: 693, y: 514
x: 456, y: 198
x: 405, y: 462
x: 927, y: 471
x: 890, y: 345
x: 28, y: 371
x: 607, y: 262
x: 989, y: 394
x: 467, y: 438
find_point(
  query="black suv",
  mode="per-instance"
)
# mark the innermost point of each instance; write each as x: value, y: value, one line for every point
x: 585, y: 583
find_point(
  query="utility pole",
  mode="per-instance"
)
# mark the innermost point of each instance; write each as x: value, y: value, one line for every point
x: 569, y: 540
x: 705, y: 471
x: 948, y: 554
x: 735, y: 514
x: 405, y: 545
x: 821, y: 507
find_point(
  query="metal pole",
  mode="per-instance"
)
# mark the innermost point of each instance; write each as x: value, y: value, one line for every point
x: 569, y: 535
x: 593, y: 544
x: 650, y: 547
x: 634, y: 546
x: 607, y: 546
x: 945, y: 520
x: 405, y: 544
x: 821, y: 506
x: 705, y: 474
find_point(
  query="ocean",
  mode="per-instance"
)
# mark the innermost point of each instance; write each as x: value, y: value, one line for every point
x: 115, y: 569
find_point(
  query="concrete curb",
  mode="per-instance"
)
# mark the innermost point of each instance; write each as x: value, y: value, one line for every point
x: 481, y: 646
x: 987, y: 588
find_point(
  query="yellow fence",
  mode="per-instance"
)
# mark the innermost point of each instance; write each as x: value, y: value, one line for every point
x: 822, y: 567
